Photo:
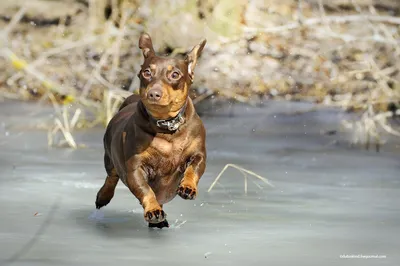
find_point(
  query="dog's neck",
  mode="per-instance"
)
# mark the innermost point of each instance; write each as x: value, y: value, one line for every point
x: 171, y: 124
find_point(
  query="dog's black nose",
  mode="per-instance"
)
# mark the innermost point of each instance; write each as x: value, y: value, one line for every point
x: 154, y: 93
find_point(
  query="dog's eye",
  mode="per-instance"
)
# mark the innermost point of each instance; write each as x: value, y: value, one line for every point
x: 175, y: 75
x: 146, y: 74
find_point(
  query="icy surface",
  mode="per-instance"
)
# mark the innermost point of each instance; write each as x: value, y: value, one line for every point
x: 328, y: 200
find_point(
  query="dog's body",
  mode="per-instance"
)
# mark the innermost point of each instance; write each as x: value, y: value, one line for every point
x: 156, y: 142
x: 163, y: 156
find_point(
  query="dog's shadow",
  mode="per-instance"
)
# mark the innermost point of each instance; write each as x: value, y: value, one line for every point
x: 112, y: 224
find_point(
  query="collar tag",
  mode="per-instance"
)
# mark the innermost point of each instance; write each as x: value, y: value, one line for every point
x: 172, y: 124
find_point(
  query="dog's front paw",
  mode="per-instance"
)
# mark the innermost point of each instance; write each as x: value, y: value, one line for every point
x: 159, y: 225
x: 187, y: 192
x: 155, y: 216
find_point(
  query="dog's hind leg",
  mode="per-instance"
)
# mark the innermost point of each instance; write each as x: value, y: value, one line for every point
x: 106, y: 192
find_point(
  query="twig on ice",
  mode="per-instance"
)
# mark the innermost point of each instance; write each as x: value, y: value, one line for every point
x: 244, y: 172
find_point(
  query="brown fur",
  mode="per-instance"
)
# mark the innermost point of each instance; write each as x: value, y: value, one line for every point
x: 154, y: 163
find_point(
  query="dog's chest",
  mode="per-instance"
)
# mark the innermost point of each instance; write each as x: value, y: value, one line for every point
x: 162, y: 146
x: 168, y: 156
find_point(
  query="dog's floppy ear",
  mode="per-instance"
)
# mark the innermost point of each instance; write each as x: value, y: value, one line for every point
x: 146, y: 45
x: 192, y: 56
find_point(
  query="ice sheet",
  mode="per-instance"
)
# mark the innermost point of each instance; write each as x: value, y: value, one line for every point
x: 328, y: 200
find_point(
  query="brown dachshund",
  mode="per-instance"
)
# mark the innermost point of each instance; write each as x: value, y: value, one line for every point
x: 156, y: 142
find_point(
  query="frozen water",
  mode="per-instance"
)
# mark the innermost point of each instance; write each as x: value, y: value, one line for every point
x: 328, y: 200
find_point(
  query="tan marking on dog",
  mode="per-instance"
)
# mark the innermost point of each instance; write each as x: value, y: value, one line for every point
x: 153, y: 66
x: 169, y: 67
x: 123, y: 137
x: 149, y: 202
x: 175, y: 100
x: 113, y: 172
x: 161, y: 145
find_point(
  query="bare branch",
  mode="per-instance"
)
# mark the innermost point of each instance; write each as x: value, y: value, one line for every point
x: 328, y: 19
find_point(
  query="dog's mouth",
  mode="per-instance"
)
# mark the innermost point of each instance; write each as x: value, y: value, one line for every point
x: 156, y: 103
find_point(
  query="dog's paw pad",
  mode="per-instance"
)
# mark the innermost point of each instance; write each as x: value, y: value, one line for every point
x: 155, y: 216
x: 187, y: 192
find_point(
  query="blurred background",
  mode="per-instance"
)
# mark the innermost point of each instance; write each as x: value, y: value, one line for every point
x: 82, y: 55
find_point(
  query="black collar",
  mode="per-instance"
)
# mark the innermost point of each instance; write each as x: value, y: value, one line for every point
x: 171, y: 124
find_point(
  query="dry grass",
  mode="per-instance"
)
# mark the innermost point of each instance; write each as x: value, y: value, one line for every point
x: 64, y: 125
x: 245, y: 173
x: 291, y: 50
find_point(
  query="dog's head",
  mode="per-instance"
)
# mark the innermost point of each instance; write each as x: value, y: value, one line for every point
x: 165, y: 82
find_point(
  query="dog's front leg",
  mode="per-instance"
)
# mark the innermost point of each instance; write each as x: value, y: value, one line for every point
x: 137, y: 184
x: 188, y: 186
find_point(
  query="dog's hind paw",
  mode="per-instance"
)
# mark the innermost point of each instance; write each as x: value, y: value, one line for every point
x: 105, y: 195
x: 100, y: 204
x: 102, y: 201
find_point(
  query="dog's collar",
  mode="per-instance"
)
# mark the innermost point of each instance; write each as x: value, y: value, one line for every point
x: 171, y: 124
